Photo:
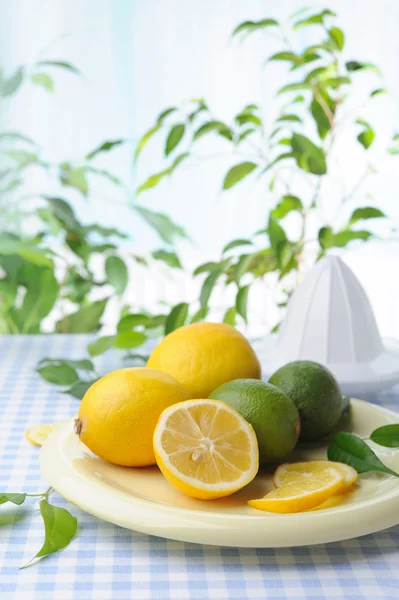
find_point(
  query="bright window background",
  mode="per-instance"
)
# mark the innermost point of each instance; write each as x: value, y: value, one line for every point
x: 139, y: 57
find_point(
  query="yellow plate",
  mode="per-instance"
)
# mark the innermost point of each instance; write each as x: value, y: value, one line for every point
x: 142, y: 500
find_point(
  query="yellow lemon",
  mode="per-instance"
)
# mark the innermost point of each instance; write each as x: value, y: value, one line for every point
x: 118, y: 414
x: 205, y: 449
x: 291, y: 472
x: 203, y: 356
x: 37, y: 434
x: 303, y: 493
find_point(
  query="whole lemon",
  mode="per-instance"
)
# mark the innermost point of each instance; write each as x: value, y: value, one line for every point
x: 118, y: 414
x: 202, y: 356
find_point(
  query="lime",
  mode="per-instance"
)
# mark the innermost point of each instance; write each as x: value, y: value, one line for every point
x: 316, y: 394
x: 271, y: 413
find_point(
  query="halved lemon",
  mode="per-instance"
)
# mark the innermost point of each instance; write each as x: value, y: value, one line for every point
x: 302, y: 494
x: 290, y: 472
x: 37, y: 434
x: 205, y: 448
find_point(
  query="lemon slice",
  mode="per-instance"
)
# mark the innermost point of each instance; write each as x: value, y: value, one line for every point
x: 290, y: 472
x: 303, y: 493
x: 37, y: 434
x: 205, y: 449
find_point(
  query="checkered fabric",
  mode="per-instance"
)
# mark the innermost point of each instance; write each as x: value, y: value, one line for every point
x: 108, y: 562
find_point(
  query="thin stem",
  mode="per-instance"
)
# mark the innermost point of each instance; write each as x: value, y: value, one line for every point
x: 357, y: 186
x: 42, y: 494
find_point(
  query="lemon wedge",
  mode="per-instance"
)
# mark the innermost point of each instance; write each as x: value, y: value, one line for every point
x: 303, y: 493
x: 290, y: 472
x: 37, y: 434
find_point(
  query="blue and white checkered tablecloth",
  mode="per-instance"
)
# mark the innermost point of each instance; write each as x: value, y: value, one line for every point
x: 108, y: 562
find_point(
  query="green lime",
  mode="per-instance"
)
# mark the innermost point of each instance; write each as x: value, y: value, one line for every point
x: 270, y: 412
x: 316, y: 394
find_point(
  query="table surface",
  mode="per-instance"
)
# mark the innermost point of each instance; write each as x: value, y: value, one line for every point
x: 107, y: 562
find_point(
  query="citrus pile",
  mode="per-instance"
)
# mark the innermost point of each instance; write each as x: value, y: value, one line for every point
x: 201, y: 413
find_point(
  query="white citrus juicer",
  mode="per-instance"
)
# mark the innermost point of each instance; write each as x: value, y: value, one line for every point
x: 330, y: 320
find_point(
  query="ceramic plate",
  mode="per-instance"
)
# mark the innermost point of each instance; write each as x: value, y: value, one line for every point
x: 142, y: 500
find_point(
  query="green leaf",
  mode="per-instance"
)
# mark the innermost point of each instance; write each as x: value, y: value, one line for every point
x: 309, y: 157
x: 207, y: 288
x: 246, y: 117
x: 170, y: 258
x: 317, y: 19
x: 74, y: 177
x: 128, y: 322
x: 84, y: 320
x: 17, y: 499
x: 367, y: 136
x: 213, y: 126
x: 367, y: 212
x: 117, y: 273
x: 237, y: 173
x: 235, y: 244
x: 101, y: 345
x: 293, y: 118
x: 241, y: 301
x: 337, y: 37
x: 206, y: 268
x: 378, y: 92
x: 145, y: 139
x: 230, y: 316
x: 322, y: 121
x: 10, y: 86
x: 244, y: 135
x: 287, y: 56
x: 153, y: 180
x: 355, y: 65
x: 250, y: 26
x: 130, y: 339
x: 79, y: 389
x: 174, y: 137
x: 104, y: 147
x: 241, y: 267
x: 84, y: 364
x: 293, y: 87
x: 26, y: 249
x: 163, y: 225
x: 348, y: 448
x: 286, y: 205
x: 165, y: 113
x: 43, y: 80
x: 328, y: 239
x: 22, y: 157
x: 276, y: 233
x: 177, y: 317
x: 299, y: 11
x: 63, y: 212
x: 60, y: 528
x: 200, y: 315
x: 62, y: 374
x: 387, y: 435
x: 62, y: 64
x: 16, y: 135
x: 41, y: 294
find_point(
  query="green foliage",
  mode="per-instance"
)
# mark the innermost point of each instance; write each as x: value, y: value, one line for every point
x: 350, y: 449
x: 60, y: 528
x: 117, y: 273
x: 237, y: 173
x: 176, y: 318
x: 289, y: 157
x: 387, y: 435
